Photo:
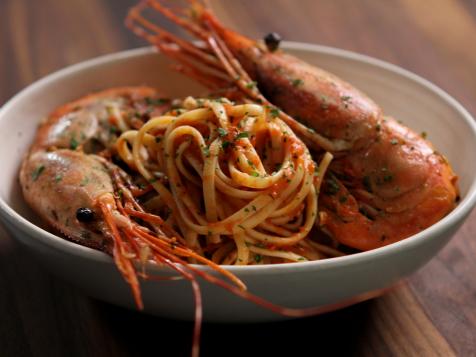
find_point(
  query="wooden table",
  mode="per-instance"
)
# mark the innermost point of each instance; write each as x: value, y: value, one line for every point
x: 432, y: 313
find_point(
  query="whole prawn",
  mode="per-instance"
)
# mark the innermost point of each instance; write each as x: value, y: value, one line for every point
x: 386, y: 182
x: 69, y: 180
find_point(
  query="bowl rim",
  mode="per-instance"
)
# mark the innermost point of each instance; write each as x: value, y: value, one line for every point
x: 453, y: 218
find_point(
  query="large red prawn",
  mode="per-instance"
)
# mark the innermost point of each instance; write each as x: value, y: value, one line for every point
x: 386, y: 182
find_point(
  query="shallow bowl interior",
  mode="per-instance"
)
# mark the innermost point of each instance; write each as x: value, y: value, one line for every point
x: 405, y: 96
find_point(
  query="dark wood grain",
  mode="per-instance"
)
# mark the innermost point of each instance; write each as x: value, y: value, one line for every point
x: 433, y: 313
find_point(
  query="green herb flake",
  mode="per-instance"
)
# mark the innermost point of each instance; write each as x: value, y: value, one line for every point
x: 225, y: 144
x: 37, y: 172
x: 254, y: 174
x: 258, y: 258
x: 84, y: 181
x: 297, y: 82
x: 58, y: 178
x: 346, y: 98
x: 274, y: 112
x: 206, y: 151
x: 332, y: 186
x: 388, y: 178
x: 241, y: 135
x: 158, y: 139
x: 157, y: 101
x: 316, y: 171
x: 424, y: 134
x: 394, y: 141
x: 251, y: 85
x: 73, y: 143
x: 222, y: 132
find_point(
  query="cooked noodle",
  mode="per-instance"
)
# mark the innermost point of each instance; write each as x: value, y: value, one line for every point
x: 242, y: 188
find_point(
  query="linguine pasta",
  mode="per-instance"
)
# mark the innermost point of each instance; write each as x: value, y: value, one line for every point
x: 241, y: 187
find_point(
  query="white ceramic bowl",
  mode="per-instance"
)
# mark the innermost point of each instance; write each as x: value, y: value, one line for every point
x: 420, y: 105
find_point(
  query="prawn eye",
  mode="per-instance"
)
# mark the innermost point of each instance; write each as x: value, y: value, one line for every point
x: 272, y: 41
x: 84, y: 214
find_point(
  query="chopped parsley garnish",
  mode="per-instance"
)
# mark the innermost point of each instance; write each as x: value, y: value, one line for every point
x: 258, y: 258
x: 274, y: 112
x: 297, y: 82
x: 222, y: 132
x: 241, y: 135
x: 225, y: 144
x: 332, y: 186
x: 73, y: 143
x: 84, y: 181
x: 37, y: 172
x: 206, y: 151
x: 316, y: 170
x: 346, y: 98
x: 254, y: 174
x: 58, y: 177
x: 424, y: 134
x: 157, y: 101
x: 251, y: 85
x: 394, y: 141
